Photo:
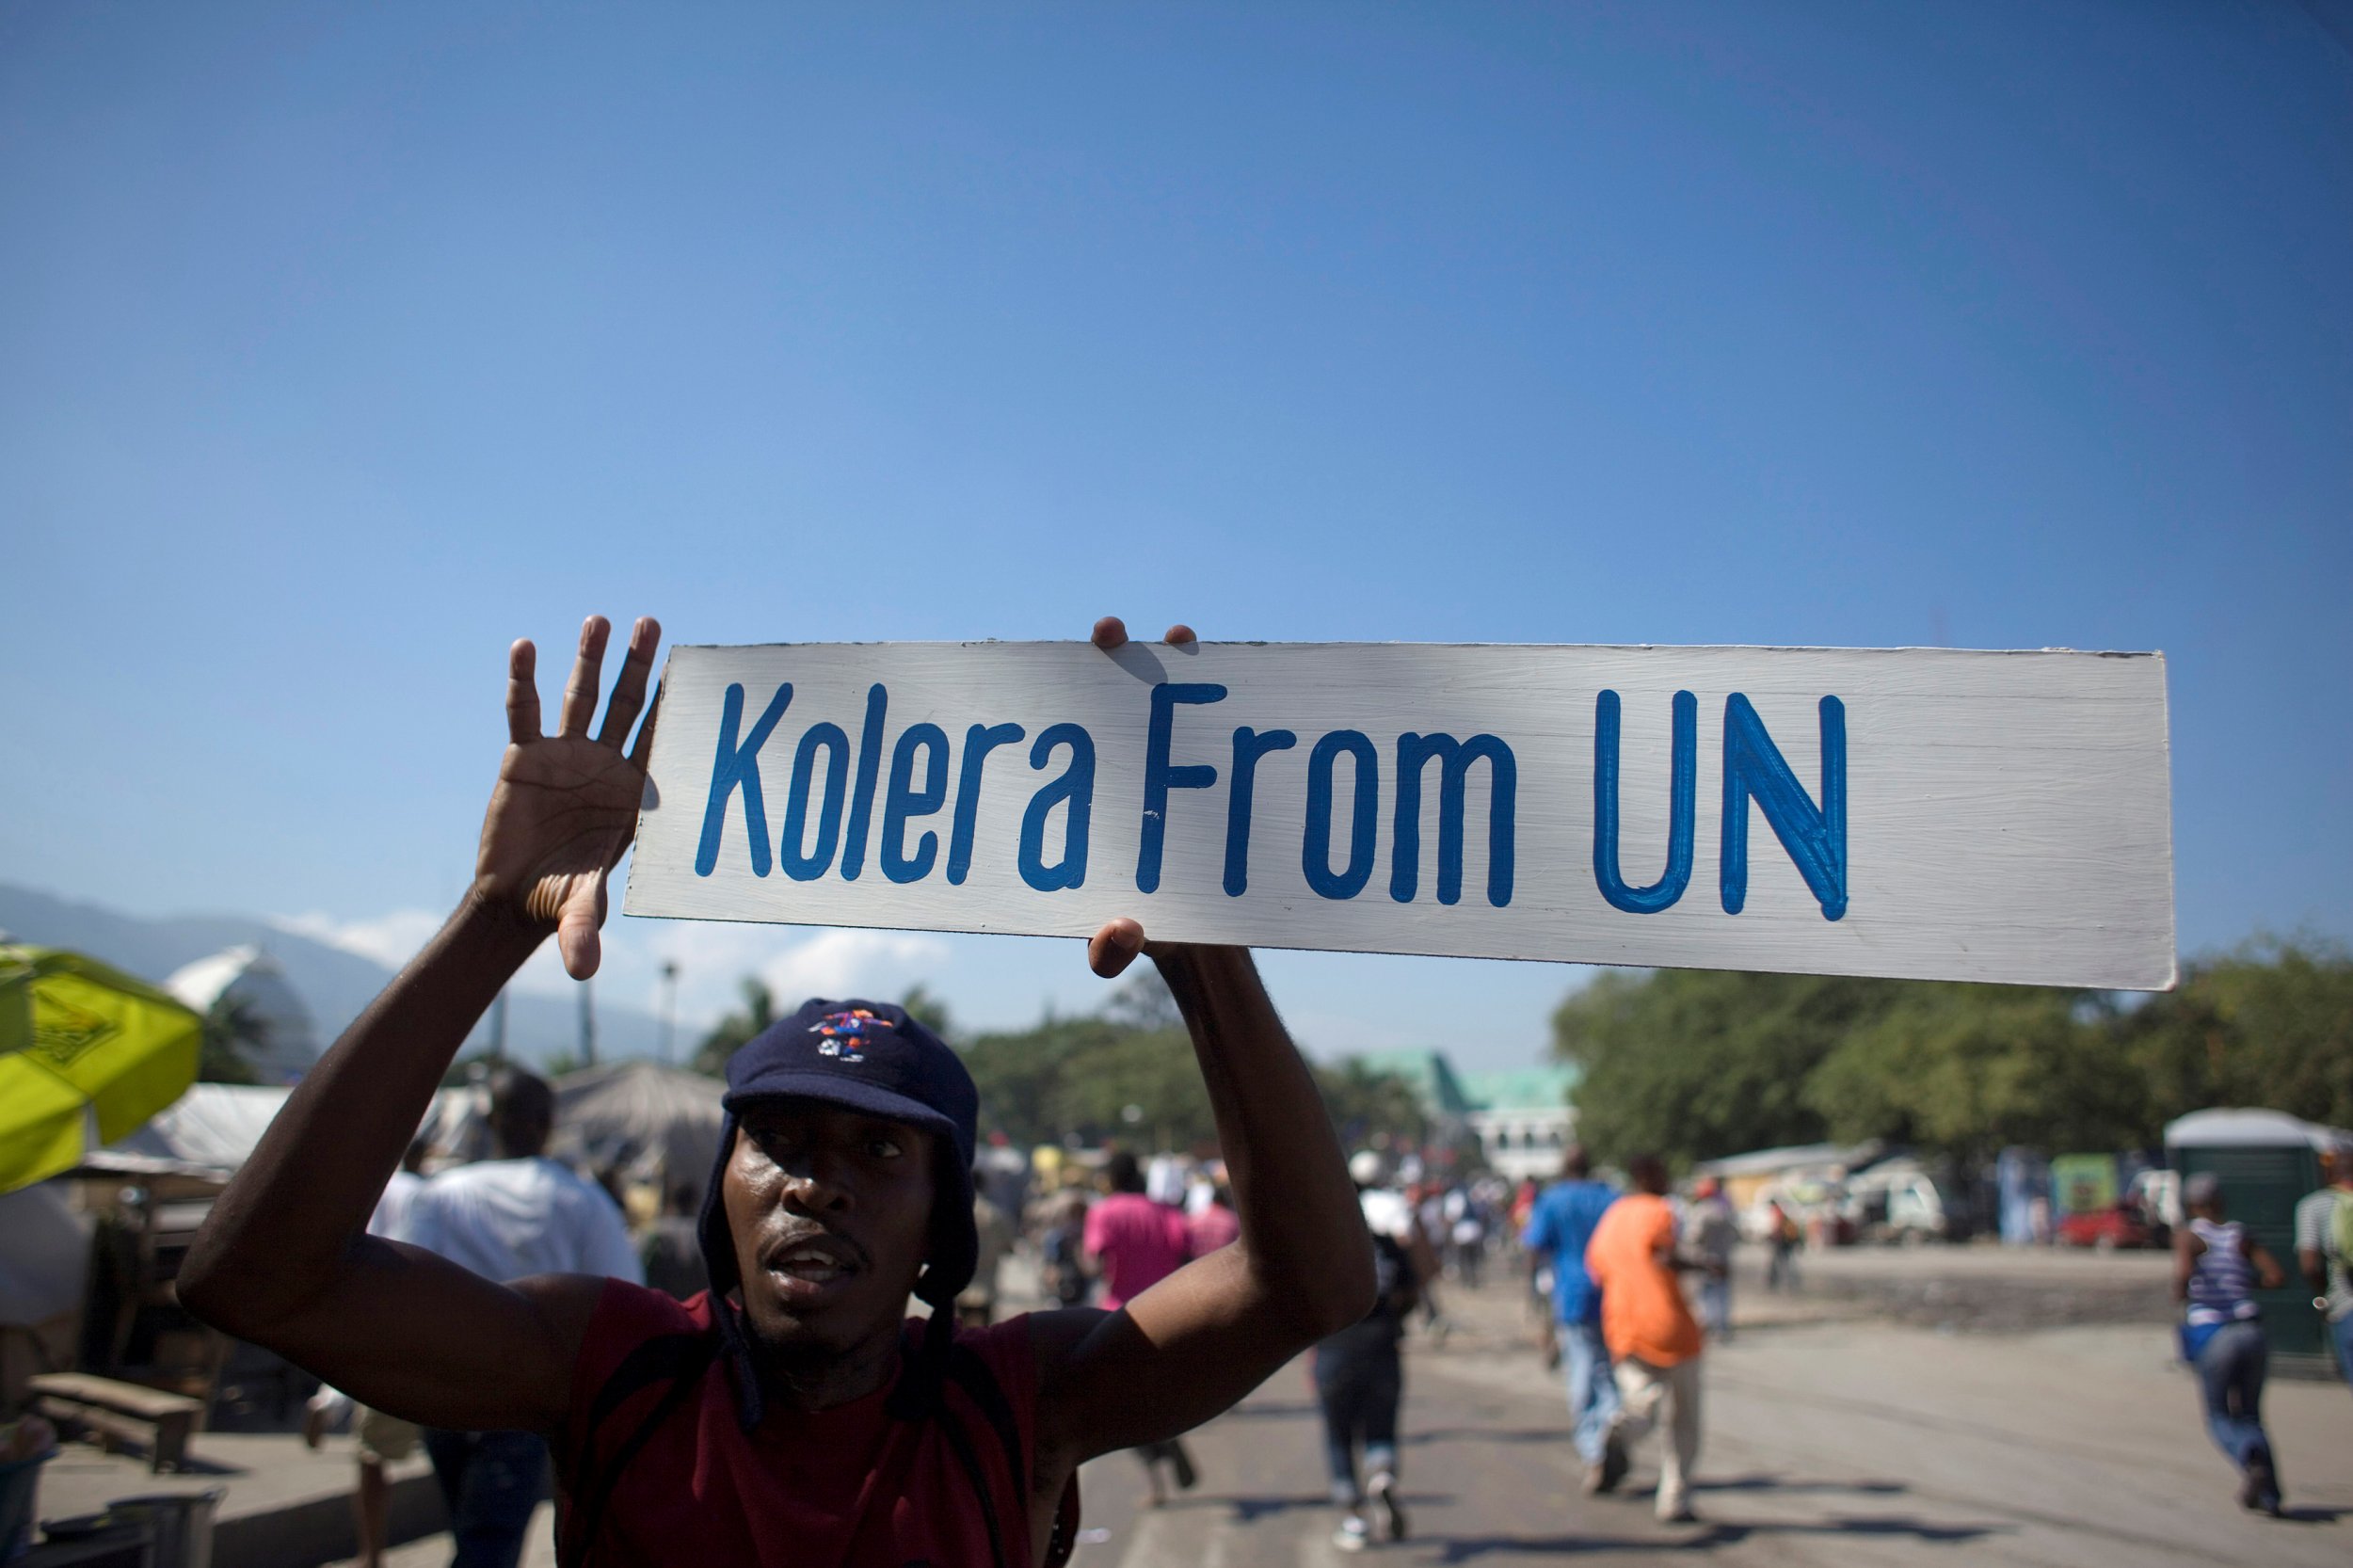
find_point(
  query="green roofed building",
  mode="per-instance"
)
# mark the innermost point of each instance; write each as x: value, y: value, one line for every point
x: 1521, y: 1118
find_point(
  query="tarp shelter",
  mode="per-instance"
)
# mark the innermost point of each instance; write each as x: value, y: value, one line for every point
x: 1745, y: 1176
x: 276, y: 1035
x: 209, y: 1131
x: 2266, y: 1161
x: 639, y: 1116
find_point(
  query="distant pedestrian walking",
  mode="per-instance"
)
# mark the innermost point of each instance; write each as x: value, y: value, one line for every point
x: 2216, y: 1267
x: 1709, y: 1234
x: 2324, y: 1249
x: 508, y: 1218
x: 1781, y: 1268
x: 1652, y: 1338
x: 1135, y: 1243
x: 1559, y: 1227
x: 1360, y: 1376
x: 1062, y: 1248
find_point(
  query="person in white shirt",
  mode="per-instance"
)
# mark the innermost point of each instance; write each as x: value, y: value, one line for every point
x: 508, y: 1218
x: 2321, y: 1253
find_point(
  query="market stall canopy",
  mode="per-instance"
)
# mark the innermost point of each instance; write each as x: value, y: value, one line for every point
x: 1797, y: 1157
x: 209, y: 1131
x: 82, y: 1043
x: 2240, y: 1128
x: 636, y: 1113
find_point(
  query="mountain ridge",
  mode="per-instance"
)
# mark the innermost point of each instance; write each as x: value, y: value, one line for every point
x: 333, y: 984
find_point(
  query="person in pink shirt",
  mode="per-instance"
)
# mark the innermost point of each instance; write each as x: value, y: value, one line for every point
x: 1216, y: 1226
x: 1135, y: 1244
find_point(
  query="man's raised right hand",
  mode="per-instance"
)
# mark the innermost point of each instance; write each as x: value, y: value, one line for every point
x: 565, y: 805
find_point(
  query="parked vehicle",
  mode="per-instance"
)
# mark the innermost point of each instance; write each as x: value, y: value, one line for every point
x: 2107, y: 1229
x: 1894, y: 1201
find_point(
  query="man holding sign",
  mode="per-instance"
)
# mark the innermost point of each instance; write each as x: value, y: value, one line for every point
x: 793, y: 1415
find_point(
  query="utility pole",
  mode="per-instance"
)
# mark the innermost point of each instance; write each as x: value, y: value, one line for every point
x: 498, y: 1027
x: 587, y: 1023
x: 669, y: 1008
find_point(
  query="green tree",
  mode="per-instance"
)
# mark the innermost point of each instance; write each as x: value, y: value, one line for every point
x: 1694, y: 1064
x: 1075, y: 1078
x: 1370, y: 1106
x: 1144, y: 1002
x: 758, y: 1012
x: 929, y: 1011
x: 1967, y: 1069
x: 2269, y: 1024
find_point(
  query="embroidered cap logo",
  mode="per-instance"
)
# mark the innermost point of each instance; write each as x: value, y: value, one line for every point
x: 843, y: 1032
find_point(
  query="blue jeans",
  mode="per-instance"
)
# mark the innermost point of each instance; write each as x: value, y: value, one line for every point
x: 1715, y: 1305
x: 1592, y: 1388
x: 491, y: 1481
x: 2231, y: 1369
x: 2341, y: 1335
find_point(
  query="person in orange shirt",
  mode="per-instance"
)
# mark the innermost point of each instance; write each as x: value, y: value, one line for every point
x: 1651, y: 1335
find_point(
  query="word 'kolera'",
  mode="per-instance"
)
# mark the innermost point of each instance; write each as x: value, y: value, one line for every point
x: 1813, y: 833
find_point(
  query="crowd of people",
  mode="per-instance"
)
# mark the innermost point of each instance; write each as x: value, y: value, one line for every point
x: 744, y: 1383
x: 1604, y: 1268
x: 1608, y: 1267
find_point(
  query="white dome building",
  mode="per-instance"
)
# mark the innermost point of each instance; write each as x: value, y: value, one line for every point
x: 284, y: 1041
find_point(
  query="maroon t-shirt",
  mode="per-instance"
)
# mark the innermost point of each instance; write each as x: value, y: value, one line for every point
x: 850, y: 1487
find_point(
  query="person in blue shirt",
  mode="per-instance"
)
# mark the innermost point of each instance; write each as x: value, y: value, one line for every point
x: 1558, y: 1226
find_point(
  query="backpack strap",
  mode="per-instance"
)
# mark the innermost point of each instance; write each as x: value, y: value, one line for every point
x: 679, y: 1358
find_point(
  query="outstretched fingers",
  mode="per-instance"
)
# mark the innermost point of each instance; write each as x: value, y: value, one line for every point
x: 629, y: 687
x: 522, y: 693
x: 580, y: 693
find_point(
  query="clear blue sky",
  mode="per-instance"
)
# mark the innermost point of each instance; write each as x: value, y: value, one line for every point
x: 339, y: 344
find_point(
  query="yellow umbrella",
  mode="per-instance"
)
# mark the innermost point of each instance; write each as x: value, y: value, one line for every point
x: 79, y: 1038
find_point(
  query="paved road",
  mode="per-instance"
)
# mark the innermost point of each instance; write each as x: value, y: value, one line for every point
x: 1829, y: 1443
x: 1832, y: 1440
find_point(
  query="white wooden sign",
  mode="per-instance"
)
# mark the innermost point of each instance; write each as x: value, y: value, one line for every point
x: 1916, y: 812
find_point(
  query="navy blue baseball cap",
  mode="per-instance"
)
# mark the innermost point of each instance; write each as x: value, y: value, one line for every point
x: 869, y: 1056
x: 866, y: 1056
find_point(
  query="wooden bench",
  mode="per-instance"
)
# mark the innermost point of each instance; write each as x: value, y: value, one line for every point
x: 121, y: 1414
